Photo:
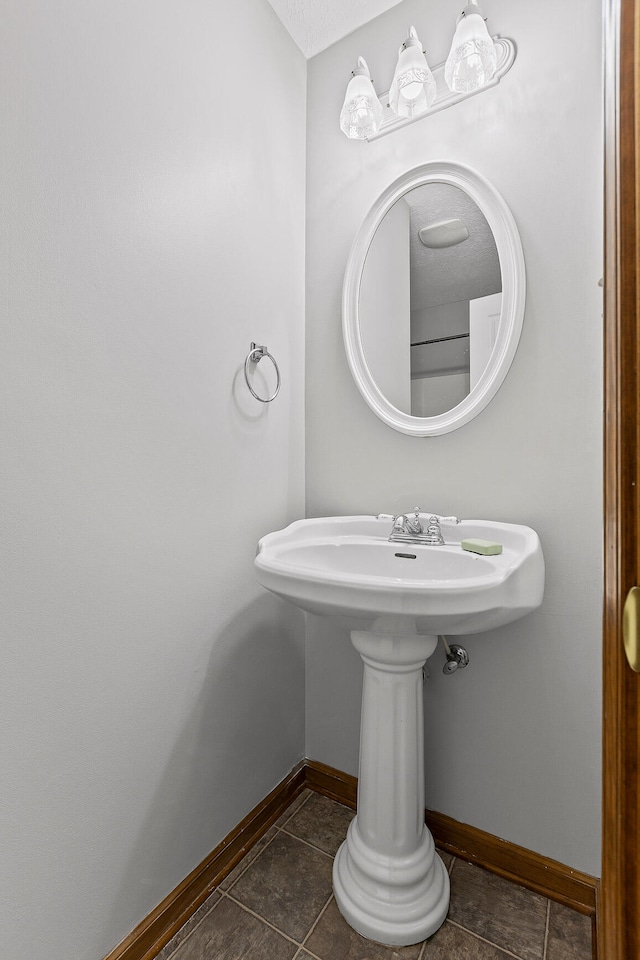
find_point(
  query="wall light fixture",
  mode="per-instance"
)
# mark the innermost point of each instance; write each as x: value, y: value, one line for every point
x: 476, y: 61
x: 361, y: 113
x: 413, y: 88
x: 472, y: 59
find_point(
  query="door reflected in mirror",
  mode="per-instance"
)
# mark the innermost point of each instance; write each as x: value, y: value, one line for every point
x: 430, y: 299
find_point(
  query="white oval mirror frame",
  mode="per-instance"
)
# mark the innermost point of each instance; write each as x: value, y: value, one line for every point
x: 509, y: 247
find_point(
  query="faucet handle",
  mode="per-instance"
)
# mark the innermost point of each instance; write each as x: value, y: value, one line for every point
x: 434, y: 532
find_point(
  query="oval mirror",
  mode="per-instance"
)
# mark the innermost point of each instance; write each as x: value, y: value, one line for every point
x: 433, y: 299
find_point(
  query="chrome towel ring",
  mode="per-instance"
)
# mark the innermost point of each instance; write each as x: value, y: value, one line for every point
x: 255, y: 355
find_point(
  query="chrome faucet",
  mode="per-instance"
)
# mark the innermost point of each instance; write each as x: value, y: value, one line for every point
x: 410, y: 529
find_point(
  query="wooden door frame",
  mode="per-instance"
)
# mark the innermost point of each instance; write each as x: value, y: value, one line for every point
x: 619, y: 931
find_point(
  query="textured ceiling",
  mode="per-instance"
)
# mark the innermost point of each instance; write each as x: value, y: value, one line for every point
x: 464, y: 272
x: 316, y: 24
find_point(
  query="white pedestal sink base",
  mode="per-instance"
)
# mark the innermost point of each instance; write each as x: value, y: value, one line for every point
x: 375, y: 902
x: 389, y: 883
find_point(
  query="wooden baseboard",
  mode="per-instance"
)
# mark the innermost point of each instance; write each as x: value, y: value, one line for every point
x: 150, y: 936
x: 547, y: 877
x: 552, y: 879
x: 331, y: 783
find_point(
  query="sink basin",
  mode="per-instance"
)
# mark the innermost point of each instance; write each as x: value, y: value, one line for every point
x: 346, y: 566
x: 388, y: 880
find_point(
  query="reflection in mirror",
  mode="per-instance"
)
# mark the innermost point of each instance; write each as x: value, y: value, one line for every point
x: 430, y: 299
x: 472, y: 250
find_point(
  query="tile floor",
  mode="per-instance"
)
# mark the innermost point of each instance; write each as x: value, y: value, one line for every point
x: 277, y: 905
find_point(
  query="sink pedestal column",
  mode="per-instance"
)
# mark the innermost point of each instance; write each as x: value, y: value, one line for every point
x: 389, y: 883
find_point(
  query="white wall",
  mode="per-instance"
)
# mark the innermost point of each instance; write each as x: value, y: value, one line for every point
x: 152, y: 226
x: 512, y: 743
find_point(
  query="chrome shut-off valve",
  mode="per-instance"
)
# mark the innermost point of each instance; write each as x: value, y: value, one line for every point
x: 457, y: 657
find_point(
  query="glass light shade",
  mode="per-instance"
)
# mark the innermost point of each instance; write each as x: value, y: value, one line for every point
x: 472, y: 60
x: 413, y: 87
x: 361, y: 113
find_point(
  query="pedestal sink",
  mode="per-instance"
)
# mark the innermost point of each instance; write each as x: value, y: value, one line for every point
x: 389, y: 883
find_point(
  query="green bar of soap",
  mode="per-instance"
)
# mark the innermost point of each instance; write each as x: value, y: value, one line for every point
x: 488, y: 548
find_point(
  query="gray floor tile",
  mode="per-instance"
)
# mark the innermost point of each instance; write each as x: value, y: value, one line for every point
x: 334, y: 939
x: 229, y: 933
x: 190, y: 925
x: 288, y: 884
x: 569, y: 934
x: 291, y: 809
x: 501, y: 912
x: 322, y: 822
x: 248, y: 858
x: 452, y: 943
x: 286, y: 879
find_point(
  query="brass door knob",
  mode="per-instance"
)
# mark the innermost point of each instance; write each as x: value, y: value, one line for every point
x: 630, y: 623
